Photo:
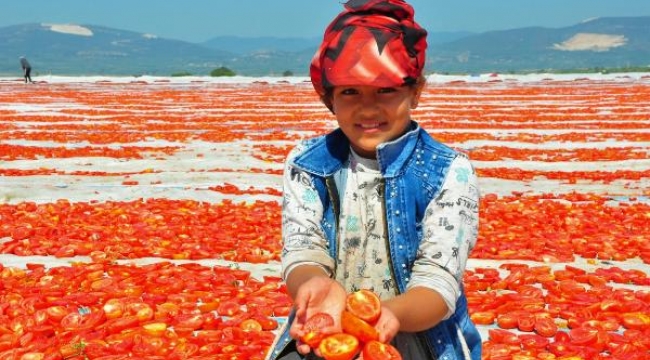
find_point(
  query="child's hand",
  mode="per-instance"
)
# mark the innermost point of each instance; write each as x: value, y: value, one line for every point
x: 317, y: 295
x: 387, y: 325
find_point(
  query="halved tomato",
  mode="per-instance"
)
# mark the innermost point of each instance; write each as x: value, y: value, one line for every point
x: 339, y: 346
x: 583, y: 336
x: 500, y: 336
x: 545, y: 327
x: 250, y: 325
x: 526, y: 322
x: 507, y: 321
x: 375, y: 350
x: 483, y: 317
x: 314, y: 329
x: 357, y: 327
x: 364, y: 304
x: 636, y: 320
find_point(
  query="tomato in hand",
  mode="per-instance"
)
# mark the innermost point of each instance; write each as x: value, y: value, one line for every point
x: 314, y: 329
x: 375, y: 350
x: 364, y: 304
x: 357, y: 327
x: 340, y: 346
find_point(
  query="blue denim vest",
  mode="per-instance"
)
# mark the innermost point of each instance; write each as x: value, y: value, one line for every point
x: 414, y: 168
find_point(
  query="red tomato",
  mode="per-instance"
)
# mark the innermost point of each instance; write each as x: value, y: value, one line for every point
x: 113, y: 308
x: 339, y: 346
x: 636, y: 321
x: 507, y: 321
x: 267, y: 323
x: 583, y: 336
x: 483, y: 317
x: 375, y: 350
x: 155, y: 328
x: 357, y: 327
x: 229, y: 308
x: 533, y: 341
x: 526, y: 322
x: 364, y: 304
x: 281, y: 311
x: 191, y: 321
x: 74, y: 321
x: 250, y: 325
x: 545, y: 327
x: 116, y: 325
x: 56, y: 313
x: 143, y: 311
x: 313, y: 329
x: 500, y: 336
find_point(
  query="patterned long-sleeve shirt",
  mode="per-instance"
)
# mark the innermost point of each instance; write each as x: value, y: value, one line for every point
x: 450, y: 230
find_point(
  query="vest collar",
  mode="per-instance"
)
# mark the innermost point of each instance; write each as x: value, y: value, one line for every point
x: 327, y: 154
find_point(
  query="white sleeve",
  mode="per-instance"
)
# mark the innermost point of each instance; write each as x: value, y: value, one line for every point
x: 450, y: 230
x: 302, y: 212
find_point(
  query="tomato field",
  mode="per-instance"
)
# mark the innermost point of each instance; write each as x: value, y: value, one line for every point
x: 140, y: 217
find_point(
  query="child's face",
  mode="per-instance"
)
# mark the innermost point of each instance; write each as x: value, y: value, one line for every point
x: 370, y: 115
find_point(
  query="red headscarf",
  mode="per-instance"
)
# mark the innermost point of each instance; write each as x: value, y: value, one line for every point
x: 372, y: 42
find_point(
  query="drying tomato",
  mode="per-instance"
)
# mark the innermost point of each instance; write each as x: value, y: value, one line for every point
x: 526, y: 322
x: 501, y: 336
x: 545, y: 327
x: 250, y: 325
x: 483, y: 317
x: 364, y: 304
x: 189, y: 321
x: 314, y: 329
x: 636, y: 320
x: 358, y: 328
x: 583, y: 336
x: 507, y: 321
x: 375, y: 350
x: 155, y: 328
x: 74, y: 321
x: 339, y: 346
x: 533, y: 341
x: 116, y: 325
x: 56, y: 313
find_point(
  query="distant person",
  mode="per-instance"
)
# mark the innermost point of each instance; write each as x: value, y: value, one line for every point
x: 27, y: 69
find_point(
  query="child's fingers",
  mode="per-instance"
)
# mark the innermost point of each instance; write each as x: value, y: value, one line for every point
x: 302, y: 348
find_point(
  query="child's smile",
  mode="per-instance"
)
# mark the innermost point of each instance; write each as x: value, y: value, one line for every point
x: 370, y: 115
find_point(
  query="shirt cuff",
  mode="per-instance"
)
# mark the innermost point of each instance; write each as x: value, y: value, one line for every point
x: 438, y: 280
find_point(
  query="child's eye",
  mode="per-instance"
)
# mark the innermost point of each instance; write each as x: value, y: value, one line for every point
x: 386, y: 90
x: 349, y: 91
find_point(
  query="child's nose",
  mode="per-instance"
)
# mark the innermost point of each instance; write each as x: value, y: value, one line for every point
x: 369, y: 104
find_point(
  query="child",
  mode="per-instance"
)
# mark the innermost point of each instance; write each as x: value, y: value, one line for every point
x: 378, y: 204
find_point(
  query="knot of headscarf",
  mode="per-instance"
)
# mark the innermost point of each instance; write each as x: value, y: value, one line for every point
x: 372, y: 42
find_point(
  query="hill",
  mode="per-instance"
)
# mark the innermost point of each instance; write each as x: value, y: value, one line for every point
x: 596, y: 43
x: 87, y: 49
x: 67, y: 49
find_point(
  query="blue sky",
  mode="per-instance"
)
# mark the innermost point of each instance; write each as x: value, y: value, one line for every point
x: 200, y: 20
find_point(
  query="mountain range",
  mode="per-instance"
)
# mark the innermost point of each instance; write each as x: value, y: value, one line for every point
x: 70, y: 49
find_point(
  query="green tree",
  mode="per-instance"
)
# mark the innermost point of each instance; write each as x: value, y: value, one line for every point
x: 287, y: 73
x: 222, y: 71
x: 182, y: 73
